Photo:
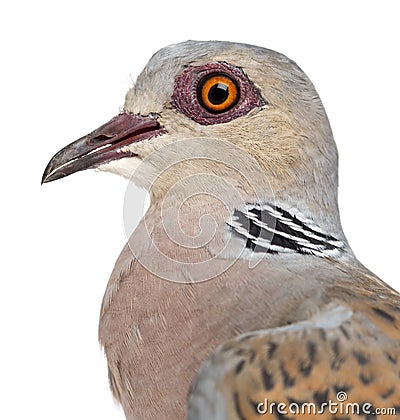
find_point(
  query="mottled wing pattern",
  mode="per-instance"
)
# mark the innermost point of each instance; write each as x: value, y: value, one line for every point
x: 338, y: 356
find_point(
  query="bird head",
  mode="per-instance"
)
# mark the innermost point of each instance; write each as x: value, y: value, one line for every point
x: 249, y: 99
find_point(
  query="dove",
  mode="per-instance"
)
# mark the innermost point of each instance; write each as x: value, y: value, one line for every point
x: 238, y: 295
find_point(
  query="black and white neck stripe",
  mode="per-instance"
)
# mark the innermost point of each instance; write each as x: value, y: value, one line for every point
x: 270, y: 229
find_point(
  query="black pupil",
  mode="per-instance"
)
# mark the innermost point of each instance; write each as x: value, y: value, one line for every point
x: 218, y: 93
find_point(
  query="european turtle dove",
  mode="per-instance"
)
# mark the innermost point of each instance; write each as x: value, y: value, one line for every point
x: 237, y: 296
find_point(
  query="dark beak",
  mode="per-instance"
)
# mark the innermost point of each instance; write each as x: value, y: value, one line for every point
x: 102, y: 145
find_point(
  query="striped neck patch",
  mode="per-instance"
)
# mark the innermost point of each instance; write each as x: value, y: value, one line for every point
x: 270, y: 229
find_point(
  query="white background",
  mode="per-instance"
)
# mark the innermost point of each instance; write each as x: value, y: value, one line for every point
x: 65, y: 68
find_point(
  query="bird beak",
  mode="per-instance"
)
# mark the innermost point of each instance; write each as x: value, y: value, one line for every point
x: 102, y: 145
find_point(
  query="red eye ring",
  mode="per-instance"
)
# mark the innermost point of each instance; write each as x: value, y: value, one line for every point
x: 226, y: 105
x: 217, y: 93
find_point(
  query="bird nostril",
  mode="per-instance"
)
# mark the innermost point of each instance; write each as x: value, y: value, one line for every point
x: 101, y: 137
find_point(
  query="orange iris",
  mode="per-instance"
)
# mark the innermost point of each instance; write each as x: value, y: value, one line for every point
x: 218, y: 93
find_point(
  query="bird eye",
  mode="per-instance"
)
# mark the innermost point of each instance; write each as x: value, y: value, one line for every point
x: 217, y: 93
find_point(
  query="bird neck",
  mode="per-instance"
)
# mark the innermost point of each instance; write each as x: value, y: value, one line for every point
x: 204, y: 226
x: 267, y: 228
